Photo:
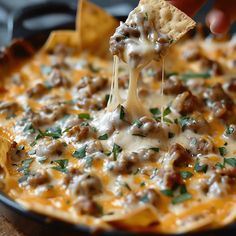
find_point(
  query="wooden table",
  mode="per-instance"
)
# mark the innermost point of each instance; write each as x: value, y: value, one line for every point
x: 7, y: 229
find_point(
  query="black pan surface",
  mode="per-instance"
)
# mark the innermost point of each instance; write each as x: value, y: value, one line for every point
x: 30, y: 223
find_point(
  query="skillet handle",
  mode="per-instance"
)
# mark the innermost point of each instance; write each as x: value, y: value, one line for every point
x: 42, y: 19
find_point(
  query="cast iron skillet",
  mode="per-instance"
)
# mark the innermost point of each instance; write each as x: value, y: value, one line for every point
x: 32, y: 223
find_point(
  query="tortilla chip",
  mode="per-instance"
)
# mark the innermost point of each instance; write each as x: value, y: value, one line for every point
x: 4, y: 148
x: 168, y: 19
x: 141, y: 217
x: 67, y: 37
x: 95, y: 27
x: 195, y: 222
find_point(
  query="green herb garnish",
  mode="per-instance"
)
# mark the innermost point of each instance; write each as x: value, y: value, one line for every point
x: 122, y: 112
x: 200, y: 168
x: 61, y: 165
x: 186, y: 174
x: 222, y: 151
x: 80, y: 153
x: 230, y: 161
x: 181, y: 198
x: 103, y: 137
x: 116, y: 150
x: 155, y: 149
x: 190, y: 75
x: 85, y: 116
x: 167, y: 192
x: 155, y: 111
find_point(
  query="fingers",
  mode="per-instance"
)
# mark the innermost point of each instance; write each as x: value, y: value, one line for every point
x: 190, y: 7
x: 221, y: 16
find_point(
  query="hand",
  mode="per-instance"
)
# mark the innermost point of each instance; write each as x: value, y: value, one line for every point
x: 218, y: 19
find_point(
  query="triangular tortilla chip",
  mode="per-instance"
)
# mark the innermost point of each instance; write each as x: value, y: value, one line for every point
x: 67, y: 37
x: 95, y: 27
x: 143, y: 216
x: 4, y: 148
x: 168, y: 19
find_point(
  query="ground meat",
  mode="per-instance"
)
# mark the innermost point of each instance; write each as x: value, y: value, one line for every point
x: 147, y: 196
x: 70, y: 174
x: 201, y: 146
x: 231, y: 85
x: 230, y: 132
x: 230, y: 172
x: 192, y: 53
x: 87, y: 185
x: 8, y: 107
x: 57, y: 79
x: 94, y: 146
x: 173, y: 86
x: 86, y: 206
x: 218, y: 101
x: 91, y: 103
x: 125, y: 164
x: 37, y: 91
x: 117, y: 41
x: 39, y: 178
x: 146, y: 126
x: 197, y: 123
x: 185, y: 103
x: 78, y: 132
x: 170, y: 178
x: 89, y: 85
x: 179, y: 155
x: 123, y: 81
x: 213, y: 67
x: 50, y: 149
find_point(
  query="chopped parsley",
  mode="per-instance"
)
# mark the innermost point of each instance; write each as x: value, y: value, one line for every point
x: 138, y: 123
x: 29, y: 128
x: 170, y: 135
x: 146, y: 16
x: 85, y: 116
x: 122, y: 112
x: 103, y: 137
x: 200, y: 168
x: 192, y: 75
x: 126, y: 185
x: 54, y: 132
x: 229, y: 130
x: 181, y: 198
x: 186, y: 174
x: 155, y: 149
x: 167, y: 192
x: 166, y: 112
x: 107, y: 97
x: 144, y: 198
x: 230, y: 161
x: 80, y: 153
x: 61, y: 165
x: 155, y: 111
x: 116, y: 150
x: 25, y: 164
x: 219, y: 165
x: 185, y: 121
x: 222, y: 151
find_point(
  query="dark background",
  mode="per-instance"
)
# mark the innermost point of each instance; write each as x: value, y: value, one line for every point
x: 120, y: 7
